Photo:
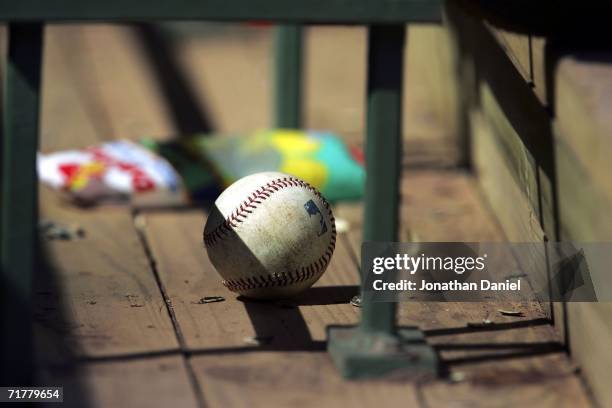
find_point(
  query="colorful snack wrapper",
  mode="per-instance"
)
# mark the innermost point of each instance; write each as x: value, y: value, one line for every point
x: 118, y: 171
x: 320, y: 158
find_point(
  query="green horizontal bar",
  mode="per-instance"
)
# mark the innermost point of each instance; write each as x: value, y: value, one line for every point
x: 306, y: 11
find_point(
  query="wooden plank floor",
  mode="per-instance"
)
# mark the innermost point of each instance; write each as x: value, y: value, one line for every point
x: 118, y: 314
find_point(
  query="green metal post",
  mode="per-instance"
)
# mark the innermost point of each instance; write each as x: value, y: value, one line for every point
x: 383, y: 155
x: 288, y: 83
x: 377, y: 347
x: 19, y: 198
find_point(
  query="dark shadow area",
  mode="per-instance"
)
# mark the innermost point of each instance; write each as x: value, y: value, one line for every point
x: 323, y: 295
x: 279, y: 324
x: 55, y: 349
x: 492, y: 327
x: 187, y: 111
x: 492, y: 352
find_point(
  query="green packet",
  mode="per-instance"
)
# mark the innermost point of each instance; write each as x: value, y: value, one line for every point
x: 209, y: 163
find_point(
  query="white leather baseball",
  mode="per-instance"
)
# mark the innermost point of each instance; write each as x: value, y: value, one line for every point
x: 270, y: 235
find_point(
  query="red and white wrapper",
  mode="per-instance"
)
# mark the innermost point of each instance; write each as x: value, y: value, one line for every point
x: 117, y: 171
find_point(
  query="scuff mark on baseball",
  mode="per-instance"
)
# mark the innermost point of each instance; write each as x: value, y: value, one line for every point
x: 270, y: 235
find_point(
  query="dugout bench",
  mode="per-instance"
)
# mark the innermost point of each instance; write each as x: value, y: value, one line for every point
x: 372, y: 348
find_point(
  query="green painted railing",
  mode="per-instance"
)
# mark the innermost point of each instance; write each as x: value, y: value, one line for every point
x: 280, y: 11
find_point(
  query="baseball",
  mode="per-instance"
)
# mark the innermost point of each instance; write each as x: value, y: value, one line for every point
x: 270, y: 235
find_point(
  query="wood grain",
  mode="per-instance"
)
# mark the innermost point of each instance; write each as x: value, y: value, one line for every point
x: 541, y: 73
x: 187, y: 276
x: 525, y: 351
x: 517, y: 361
x: 292, y: 379
x: 221, y: 61
x: 509, y: 172
x: 529, y: 382
x: 151, y: 382
x: 512, y: 143
x: 124, y: 103
x: 517, y: 48
x: 100, y: 295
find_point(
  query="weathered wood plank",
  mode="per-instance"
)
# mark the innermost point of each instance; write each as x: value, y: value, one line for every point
x: 514, y: 210
x: 445, y: 207
x: 187, y: 276
x: 229, y: 71
x: 311, y: 318
x: 326, y: 68
x: 18, y: 208
x: 117, y: 86
x: 517, y: 48
x: 65, y: 101
x: 218, y: 63
x: 583, y: 148
x: 540, y: 68
x: 445, y: 324
x: 430, y: 107
x: 516, y: 215
x: 266, y: 379
x: 97, y: 300
x: 143, y: 383
x: 529, y: 382
x: 582, y: 107
x: 99, y: 296
x: 521, y: 133
x: 254, y: 377
x: 528, y: 54
x: 519, y: 124
x: 590, y: 332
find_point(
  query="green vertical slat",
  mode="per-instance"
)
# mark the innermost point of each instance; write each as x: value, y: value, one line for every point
x: 288, y: 77
x: 19, y: 197
x: 377, y: 347
x: 383, y: 154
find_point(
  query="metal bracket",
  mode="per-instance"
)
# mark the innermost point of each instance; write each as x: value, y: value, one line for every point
x: 377, y: 347
x: 360, y: 354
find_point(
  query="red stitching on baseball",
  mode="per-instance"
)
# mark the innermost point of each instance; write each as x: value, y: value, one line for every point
x: 253, y: 201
